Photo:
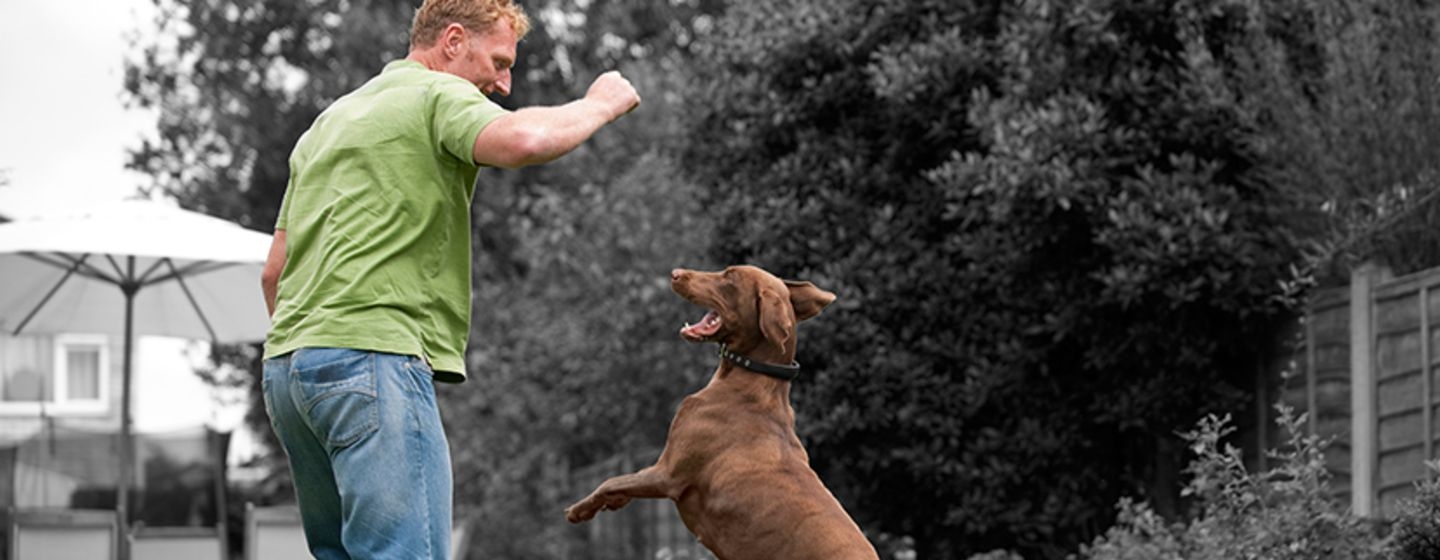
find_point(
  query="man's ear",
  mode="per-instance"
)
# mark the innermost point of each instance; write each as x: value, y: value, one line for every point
x: 776, y: 318
x: 453, y: 38
x: 807, y: 299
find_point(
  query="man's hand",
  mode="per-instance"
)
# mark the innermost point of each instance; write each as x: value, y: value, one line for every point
x: 615, y: 92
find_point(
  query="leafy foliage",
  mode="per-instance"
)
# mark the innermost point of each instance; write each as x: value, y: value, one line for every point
x: 236, y: 83
x: 1049, y: 235
x: 1060, y: 230
x: 1416, y: 532
x: 1343, y: 93
x: 579, y: 360
x: 1280, y: 514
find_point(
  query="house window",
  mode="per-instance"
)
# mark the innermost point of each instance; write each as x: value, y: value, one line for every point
x: 60, y: 374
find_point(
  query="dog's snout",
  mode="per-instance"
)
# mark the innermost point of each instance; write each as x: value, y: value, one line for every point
x: 677, y: 274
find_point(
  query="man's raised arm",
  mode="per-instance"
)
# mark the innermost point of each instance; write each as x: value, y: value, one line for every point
x: 539, y: 134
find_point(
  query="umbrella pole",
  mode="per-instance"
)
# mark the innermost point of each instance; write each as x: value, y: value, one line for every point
x: 122, y: 500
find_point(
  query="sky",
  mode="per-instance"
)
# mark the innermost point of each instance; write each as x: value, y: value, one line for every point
x: 63, y: 125
x: 64, y: 131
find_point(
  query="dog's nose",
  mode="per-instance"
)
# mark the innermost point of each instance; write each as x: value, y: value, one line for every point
x: 676, y: 274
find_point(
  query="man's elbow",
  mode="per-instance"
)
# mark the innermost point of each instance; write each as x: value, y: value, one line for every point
x: 269, y: 279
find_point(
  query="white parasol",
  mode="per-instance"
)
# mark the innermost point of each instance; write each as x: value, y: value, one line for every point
x: 131, y: 268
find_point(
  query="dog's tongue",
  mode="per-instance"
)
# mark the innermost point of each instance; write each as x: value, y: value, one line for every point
x: 704, y: 329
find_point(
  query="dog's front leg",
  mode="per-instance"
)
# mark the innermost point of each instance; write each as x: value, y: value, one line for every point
x: 615, y: 492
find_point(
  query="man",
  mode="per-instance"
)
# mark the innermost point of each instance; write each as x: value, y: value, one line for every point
x: 368, y: 277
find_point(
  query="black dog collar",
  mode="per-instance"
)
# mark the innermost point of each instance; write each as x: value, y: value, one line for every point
x: 781, y: 372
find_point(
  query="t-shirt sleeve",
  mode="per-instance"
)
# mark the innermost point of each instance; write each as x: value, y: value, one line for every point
x: 461, y: 112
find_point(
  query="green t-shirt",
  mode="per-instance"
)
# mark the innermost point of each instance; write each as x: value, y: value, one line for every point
x: 377, y: 221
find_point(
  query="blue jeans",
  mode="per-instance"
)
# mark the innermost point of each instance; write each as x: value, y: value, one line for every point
x: 367, y: 452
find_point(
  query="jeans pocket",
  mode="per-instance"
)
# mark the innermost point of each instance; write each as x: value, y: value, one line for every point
x: 338, y: 394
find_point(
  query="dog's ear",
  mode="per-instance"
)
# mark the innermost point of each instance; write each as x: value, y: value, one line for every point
x: 776, y: 318
x: 807, y: 299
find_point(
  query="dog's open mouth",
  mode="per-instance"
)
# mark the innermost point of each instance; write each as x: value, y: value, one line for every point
x: 703, y: 330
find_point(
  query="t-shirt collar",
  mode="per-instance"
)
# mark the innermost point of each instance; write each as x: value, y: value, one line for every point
x: 402, y: 63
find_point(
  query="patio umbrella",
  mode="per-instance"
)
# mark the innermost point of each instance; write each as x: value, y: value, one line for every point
x: 132, y: 268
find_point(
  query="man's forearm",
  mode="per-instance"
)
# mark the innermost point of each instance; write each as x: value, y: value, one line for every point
x: 535, y: 135
x: 274, y: 265
x: 270, y: 289
x: 540, y: 134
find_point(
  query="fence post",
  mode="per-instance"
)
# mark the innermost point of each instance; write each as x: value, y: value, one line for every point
x: 1364, y: 452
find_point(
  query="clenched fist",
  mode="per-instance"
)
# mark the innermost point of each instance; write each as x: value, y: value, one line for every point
x: 615, y: 92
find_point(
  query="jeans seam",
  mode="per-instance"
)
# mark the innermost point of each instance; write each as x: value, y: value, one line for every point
x: 416, y: 437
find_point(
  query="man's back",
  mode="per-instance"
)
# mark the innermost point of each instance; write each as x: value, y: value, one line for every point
x: 377, y: 220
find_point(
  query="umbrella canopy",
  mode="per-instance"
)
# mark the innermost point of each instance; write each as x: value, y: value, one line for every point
x: 132, y: 268
x: 63, y: 272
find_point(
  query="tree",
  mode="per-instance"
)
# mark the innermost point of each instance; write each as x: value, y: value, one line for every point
x: 1053, y: 243
x: 578, y: 361
x: 236, y: 83
x: 1344, y: 92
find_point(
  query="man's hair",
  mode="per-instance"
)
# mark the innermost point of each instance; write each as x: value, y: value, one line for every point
x: 475, y: 15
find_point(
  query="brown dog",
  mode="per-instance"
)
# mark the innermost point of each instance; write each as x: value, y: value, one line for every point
x: 732, y: 462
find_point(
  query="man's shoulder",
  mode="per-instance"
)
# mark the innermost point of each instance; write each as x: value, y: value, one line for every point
x: 400, y: 84
x: 407, y: 71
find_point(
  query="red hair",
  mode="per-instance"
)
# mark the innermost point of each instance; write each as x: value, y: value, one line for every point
x: 475, y: 15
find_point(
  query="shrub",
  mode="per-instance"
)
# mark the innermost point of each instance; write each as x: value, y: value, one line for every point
x: 1284, y: 513
x: 1416, y: 533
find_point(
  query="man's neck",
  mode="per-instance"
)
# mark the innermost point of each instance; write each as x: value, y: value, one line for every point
x: 427, y: 58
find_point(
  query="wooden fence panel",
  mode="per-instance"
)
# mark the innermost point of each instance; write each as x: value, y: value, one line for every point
x: 1321, y: 386
x: 1404, y: 334
x: 1402, y: 314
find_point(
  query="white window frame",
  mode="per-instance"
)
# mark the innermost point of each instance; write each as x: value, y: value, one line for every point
x: 59, y: 380
x: 63, y: 402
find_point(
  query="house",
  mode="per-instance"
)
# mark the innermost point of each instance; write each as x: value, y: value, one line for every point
x: 60, y: 410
